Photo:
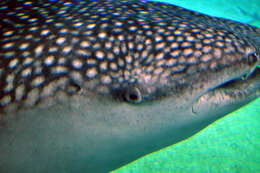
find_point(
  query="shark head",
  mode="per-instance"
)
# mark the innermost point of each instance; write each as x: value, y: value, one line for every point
x: 90, y: 86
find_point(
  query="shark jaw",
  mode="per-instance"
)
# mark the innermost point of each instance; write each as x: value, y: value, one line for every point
x: 90, y: 130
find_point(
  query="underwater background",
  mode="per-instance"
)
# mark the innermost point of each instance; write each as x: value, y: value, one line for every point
x: 232, y: 143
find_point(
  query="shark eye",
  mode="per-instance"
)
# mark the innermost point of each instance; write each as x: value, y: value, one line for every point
x: 132, y: 95
x: 253, y: 58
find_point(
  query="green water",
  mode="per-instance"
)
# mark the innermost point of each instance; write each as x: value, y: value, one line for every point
x: 231, y: 144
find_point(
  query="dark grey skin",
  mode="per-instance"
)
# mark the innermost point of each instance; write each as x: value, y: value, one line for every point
x: 97, y: 132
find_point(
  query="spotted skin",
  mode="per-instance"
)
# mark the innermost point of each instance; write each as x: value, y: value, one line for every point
x: 113, y: 56
x: 47, y: 46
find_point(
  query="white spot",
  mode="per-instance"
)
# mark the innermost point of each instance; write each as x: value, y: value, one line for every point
x: 61, y: 61
x: 60, y: 40
x: 34, y: 28
x: 28, y: 61
x: 104, y: 25
x: 130, y: 45
x: 206, y: 58
x: 91, y: 72
x: 53, y: 49
x: 171, y: 62
x: 161, y: 30
x: 10, y: 78
x: 146, y: 26
x: 49, y: 60
x: 159, y: 56
x: 140, y: 47
x: 174, y: 45
x: 217, y: 53
x: 37, y: 81
x: 59, y: 69
x: 170, y: 38
x: 133, y: 28
x: 27, y: 3
x: 119, y: 24
x: 197, y: 53
x: 177, y: 32
x: 29, y: 37
x: 100, y: 54
x: 8, y: 33
x: 59, y: 24
x: 102, y: 35
x: 13, y: 63
x: 175, y: 53
x: 9, y: 87
x: 187, y: 52
x: 88, y: 32
x: 91, y: 26
x: 3, y: 7
x: 76, y: 63
x: 9, y: 54
x: 110, y: 56
x: 121, y: 38
x: 103, y: 65
x: 108, y: 45
x: 83, y: 52
x: 113, y: 66
x: 85, y: 44
x: 106, y: 79
x: 20, y: 14
x: 5, y: 100
x: 129, y: 59
x: 38, y: 50
x: 160, y: 45
x: 158, y: 71
x: 91, y: 61
x: 158, y: 38
x: 24, y: 46
x: 78, y: 24
x: 144, y: 54
x: 66, y: 49
x: 67, y: 4
x: 8, y: 45
x: 49, y: 20
x: 63, y: 31
x: 116, y: 50
x: 45, y: 32
x: 33, y: 20
x: 26, y: 72
x: 62, y: 11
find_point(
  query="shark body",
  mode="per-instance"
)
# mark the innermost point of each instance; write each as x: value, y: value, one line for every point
x: 88, y: 86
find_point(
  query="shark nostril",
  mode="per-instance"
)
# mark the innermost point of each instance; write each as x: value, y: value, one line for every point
x: 132, y: 95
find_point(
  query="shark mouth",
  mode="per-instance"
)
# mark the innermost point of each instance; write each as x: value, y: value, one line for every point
x: 244, y: 82
x: 230, y: 95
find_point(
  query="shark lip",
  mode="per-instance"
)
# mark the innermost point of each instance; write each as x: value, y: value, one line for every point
x: 254, y: 77
x: 230, y: 95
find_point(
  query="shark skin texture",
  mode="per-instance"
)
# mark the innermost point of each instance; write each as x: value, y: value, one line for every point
x: 89, y: 86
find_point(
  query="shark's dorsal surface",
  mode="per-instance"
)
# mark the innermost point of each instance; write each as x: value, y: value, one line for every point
x: 88, y: 86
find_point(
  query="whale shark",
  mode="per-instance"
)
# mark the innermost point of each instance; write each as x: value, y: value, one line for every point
x: 89, y: 86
